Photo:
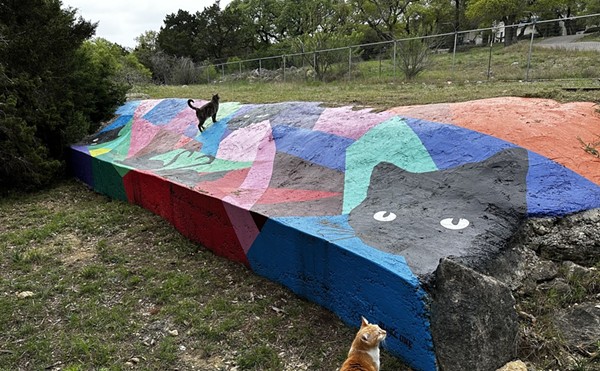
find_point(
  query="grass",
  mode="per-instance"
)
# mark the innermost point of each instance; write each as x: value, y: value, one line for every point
x: 112, y: 282
x: 377, y: 95
x: 593, y: 36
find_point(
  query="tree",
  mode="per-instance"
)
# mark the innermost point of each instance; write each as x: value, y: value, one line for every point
x: 210, y: 34
x: 51, y: 94
x: 323, y: 62
x: 178, y: 35
x: 385, y: 17
x: 227, y: 33
x: 147, y: 45
x: 485, y: 12
x: 262, y: 16
x: 121, y: 66
x: 549, y: 9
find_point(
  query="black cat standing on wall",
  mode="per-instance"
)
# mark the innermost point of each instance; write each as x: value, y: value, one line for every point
x: 208, y: 110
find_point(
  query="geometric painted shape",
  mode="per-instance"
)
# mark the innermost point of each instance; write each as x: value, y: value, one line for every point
x: 391, y: 141
x: 165, y: 111
x: 313, y: 146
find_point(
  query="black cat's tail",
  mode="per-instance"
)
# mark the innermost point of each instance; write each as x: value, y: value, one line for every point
x: 190, y: 101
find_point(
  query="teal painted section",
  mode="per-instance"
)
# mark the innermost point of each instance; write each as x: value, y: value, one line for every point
x: 391, y: 141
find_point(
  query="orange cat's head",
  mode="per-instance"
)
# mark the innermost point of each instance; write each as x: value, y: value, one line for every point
x: 369, y: 336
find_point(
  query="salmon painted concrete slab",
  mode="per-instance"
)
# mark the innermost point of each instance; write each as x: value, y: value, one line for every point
x: 352, y: 209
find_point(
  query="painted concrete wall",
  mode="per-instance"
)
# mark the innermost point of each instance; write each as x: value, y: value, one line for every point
x: 349, y: 208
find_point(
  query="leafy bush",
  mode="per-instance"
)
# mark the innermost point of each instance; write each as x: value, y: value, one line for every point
x: 53, y: 90
x: 414, y: 56
x: 232, y: 66
x: 184, y: 72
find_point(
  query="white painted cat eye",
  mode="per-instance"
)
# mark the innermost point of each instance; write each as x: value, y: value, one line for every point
x: 384, y: 216
x: 454, y: 223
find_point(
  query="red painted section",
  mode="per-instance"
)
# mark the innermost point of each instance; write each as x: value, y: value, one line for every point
x: 197, y: 216
x: 150, y: 192
x: 204, y: 219
x: 276, y: 196
x: 226, y: 185
x: 544, y: 126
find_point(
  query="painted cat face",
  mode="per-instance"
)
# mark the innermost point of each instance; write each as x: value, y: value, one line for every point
x: 465, y: 211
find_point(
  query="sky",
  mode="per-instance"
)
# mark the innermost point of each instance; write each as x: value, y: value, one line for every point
x: 121, y: 21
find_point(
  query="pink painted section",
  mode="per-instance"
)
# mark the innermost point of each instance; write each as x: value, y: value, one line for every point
x: 345, y: 122
x: 242, y: 144
x: 259, y: 177
x: 225, y: 186
x: 180, y: 123
x: 243, y: 224
x: 145, y: 107
x: 183, y: 141
x: 441, y: 112
x: 142, y: 133
x: 253, y: 143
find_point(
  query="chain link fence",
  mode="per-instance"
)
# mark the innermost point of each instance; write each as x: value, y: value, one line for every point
x: 473, y: 55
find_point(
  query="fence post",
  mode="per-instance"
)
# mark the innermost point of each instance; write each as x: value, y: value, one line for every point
x: 223, y: 71
x: 259, y: 67
x: 315, y: 65
x: 349, y: 63
x: 454, y: 53
x: 283, y: 68
x: 530, y: 49
x: 240, y: 69
x: 395, y: 43
x: 207, y: 74
x: 489, y: 71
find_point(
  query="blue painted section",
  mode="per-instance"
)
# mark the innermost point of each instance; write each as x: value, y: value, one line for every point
x: 552, y: 189
x: 349, y: 278
x: 451, y: 146
x: 211, y: 137
x: 317, y: 147
x: 118, y: 123
x: 165, y: 111
x: 80, y: 164
x: 298, y: 114
x: 128, y: 108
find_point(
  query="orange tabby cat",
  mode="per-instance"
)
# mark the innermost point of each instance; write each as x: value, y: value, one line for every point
x: 364, y: 352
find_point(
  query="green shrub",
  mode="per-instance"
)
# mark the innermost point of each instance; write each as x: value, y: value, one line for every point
x: 53, y: 90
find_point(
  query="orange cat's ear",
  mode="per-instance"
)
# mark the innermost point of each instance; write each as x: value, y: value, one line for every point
x: 364, y: 322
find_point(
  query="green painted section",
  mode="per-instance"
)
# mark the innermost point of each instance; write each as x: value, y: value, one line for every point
x: 196, y: 161
x: 391, y: 141
x: 108, y: 180
x: 226, y: 109
x: 119, y: 147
